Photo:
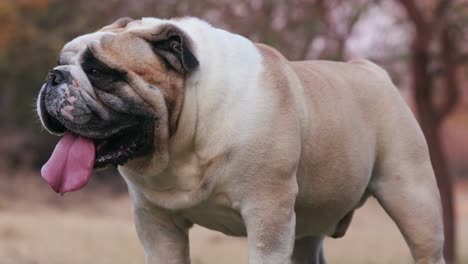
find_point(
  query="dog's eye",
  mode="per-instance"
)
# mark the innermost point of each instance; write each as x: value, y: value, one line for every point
x: 95, y: 73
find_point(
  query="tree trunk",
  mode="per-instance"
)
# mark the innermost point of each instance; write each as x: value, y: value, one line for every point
x: 430, y: 120
x: 431, y: 129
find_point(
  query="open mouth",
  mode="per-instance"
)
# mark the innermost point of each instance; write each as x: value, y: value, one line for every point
x: 127, y: 143
x: 94, y: 134
x: 76, y: 155
x: 117, y: 148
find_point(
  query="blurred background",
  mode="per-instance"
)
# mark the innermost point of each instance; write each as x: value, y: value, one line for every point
x: 422, y: 43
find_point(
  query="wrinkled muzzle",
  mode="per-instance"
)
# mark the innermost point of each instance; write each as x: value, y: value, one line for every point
x: 94, y: 134
x: 61, y: 103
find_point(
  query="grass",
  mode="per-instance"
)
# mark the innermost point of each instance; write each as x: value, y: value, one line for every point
x: 37, y: 227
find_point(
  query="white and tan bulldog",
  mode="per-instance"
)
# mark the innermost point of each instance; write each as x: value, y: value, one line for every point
x: 212, y: 129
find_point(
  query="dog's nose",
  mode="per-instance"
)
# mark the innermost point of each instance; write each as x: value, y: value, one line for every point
x: 57, y: 77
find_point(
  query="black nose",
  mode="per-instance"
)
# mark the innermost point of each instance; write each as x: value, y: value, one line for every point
x: 57, y: 77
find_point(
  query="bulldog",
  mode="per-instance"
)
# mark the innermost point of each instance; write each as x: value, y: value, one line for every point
x: 209, y: 128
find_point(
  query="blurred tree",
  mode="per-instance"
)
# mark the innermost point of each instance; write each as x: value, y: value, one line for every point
x: 299, y: 29
x: 435, y: 55
x: 35, y: 31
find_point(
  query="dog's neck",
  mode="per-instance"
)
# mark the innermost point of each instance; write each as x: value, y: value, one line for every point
x: 213, y: 91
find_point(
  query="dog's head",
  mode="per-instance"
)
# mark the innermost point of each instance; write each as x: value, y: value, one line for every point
x: 116, y: 94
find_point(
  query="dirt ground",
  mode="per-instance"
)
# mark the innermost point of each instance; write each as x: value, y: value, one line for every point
x: 39, y: 227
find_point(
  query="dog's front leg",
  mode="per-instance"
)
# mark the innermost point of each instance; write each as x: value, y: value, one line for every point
x: 270, y: 221
x: 163, y: 235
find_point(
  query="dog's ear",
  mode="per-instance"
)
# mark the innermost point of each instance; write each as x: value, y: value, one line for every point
x: 174, y: 46
x: 119, y: 24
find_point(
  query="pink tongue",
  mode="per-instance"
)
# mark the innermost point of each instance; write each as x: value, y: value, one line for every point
x: 70, y: 166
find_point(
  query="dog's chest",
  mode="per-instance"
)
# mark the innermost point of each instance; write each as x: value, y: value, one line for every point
x: 217, y: 215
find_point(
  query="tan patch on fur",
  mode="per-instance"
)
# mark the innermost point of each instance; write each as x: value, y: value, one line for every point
x: 134, y: 54
x: 275, y: 74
